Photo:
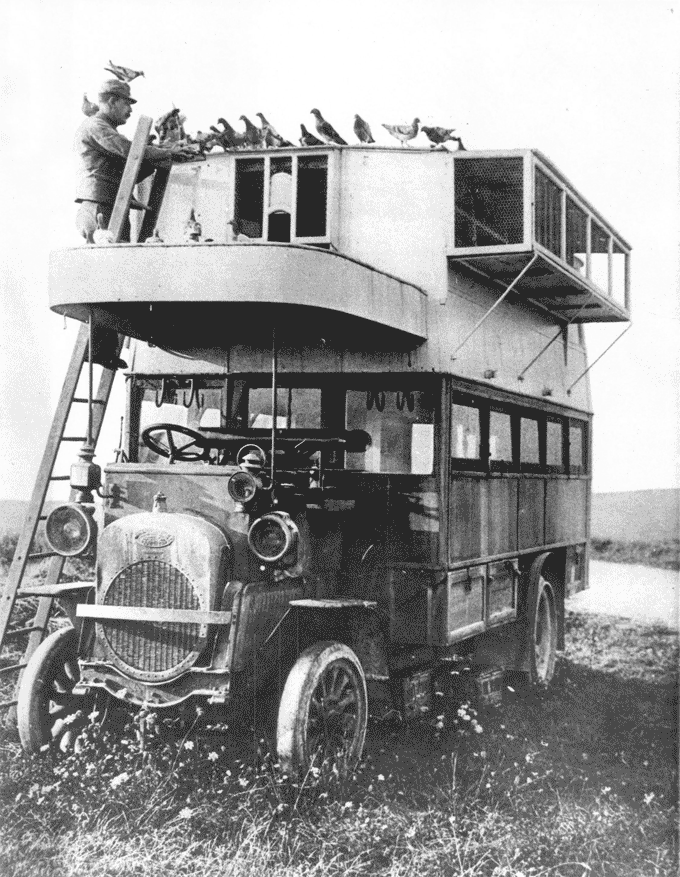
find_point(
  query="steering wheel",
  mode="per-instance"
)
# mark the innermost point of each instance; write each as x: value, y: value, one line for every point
x: 170, y: 449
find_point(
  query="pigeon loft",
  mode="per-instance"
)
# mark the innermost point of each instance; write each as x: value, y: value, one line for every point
x: 355, y: 449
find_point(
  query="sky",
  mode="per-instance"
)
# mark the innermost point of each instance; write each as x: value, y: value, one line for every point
x: 594, y: 85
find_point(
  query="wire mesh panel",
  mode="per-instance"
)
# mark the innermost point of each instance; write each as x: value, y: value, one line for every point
x: 489, y: 202
x: 599, y: 256
x: 577, y: 236
x: 548, y: 215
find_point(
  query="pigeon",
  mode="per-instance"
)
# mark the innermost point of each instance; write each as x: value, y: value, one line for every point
x: 237, y: 234
x: 461, y: 148
x: 271, y: 135
x: 202, y: 141
x: 438, y: 135
x: 125, y: 74
x: 88, y: 108
x: 193, y: 229
x: 102, y: 235
x: 167, y: 122
x: 155, y: 238
x: 253, y: 136
x: 404, y: 132
x: 362, y: 130
x: 308, y: 139
x: 150, y: 139
x: 230, y: 135
x: 326, y: 131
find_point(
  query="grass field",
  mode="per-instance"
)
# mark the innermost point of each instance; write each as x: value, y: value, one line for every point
x: 576, y: 781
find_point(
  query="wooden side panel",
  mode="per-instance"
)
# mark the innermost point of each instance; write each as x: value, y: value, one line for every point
x: 408, y: 606
x: 502, y: 515
x: 531, y: 513
x: 465, y: 604
x: 501, y: 599
x: 565, y: 510
x: 465, y: 521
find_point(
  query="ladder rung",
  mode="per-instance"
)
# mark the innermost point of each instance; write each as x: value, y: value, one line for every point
x: 42, y: 517
x: 59, y: 477
x: 10, y: 634
x: 74, y: 438
x: 6, y: 704
x: 13, y: 668
x: 41, y: 555
x: 94, y: 401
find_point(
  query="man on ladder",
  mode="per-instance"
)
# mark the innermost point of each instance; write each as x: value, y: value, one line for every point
x: 102, y: 153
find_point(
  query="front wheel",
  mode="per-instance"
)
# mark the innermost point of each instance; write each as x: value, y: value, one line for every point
x: 48, y: 713
x: 323, y: 711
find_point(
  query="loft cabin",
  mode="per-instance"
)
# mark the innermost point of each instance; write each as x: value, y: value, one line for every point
x: 365, y: 249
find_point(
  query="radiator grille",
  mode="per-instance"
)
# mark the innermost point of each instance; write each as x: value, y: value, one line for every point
x: 152, y: 646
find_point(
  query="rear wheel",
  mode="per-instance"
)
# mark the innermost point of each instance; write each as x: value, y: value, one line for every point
x: 323, y: 711
x: 48, y: 713
x: 543, y: 627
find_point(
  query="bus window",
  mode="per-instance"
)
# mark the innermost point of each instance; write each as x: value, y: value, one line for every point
x: 465, y: 432
x: 577, y: 448
x: 554, y: 445
x: 296, y: 408
x: 529, y: 449
x: 500, y: 440
x: 401, y: 426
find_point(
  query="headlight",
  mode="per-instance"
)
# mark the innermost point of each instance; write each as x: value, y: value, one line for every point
x: 274, y: 537
x: 70, y: 530
x: 242, y: 487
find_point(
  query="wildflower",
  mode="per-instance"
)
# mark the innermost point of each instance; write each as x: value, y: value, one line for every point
x: 243, y: 782
x: 649, y: 797
x: 185, y: 813
x: 439, y: 724
x: 348, y: 805
x: 213, y: 756
x: 93, y: 715
x: 381, y: 778
x: 189, y: 744
x: 119, y: 780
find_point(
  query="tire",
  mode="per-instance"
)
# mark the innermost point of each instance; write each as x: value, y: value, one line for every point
x: 323, y: 711
x: 46, y: 699
x: 543, y: 631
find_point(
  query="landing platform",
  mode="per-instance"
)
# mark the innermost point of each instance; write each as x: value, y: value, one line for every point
x: 235, y: 293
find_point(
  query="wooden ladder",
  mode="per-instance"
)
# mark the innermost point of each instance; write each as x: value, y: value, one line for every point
x: 25, y: 555
x: 15, y: 592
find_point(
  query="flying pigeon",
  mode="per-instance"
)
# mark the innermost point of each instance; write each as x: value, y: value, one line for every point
x: 125, y: 74
x: 362, y: 130
x: 403, y: 132
x: 438, y: 135
x: 308, y: 139
x: 88, y: 108
x: 326, y: 131
x: 270, y: 134
x: 253, y: 136
x: 230, y: 138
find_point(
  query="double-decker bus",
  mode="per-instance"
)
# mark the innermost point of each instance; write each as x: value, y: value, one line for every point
x: 357, y: 439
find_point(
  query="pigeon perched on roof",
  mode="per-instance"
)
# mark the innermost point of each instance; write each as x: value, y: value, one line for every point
x: 326, y: 131
x: 192, y: 229
x: 125, y: 74
x: 461, y: 148
x: 155, y: 238
x: 230, y: 137
x: 88, y: 108
x: 308, y: 139
x: 167, y: 123
x: 438, y: 135
x: 253, y: 136
x: 404, y: 132
x: 362, y: 130
x: 270, y: 135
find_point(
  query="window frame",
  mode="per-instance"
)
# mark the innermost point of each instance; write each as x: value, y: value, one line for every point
x: 562, y: 467
x: 502, y: 466
x: 582, y: 468
x: 470, y: 464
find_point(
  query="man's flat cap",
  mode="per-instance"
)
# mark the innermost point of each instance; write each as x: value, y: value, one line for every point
x: 115, y: 86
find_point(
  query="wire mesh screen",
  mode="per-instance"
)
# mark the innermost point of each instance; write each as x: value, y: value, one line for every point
x: 548, y: 216
x: 489, y: 202
x: 577, y: 230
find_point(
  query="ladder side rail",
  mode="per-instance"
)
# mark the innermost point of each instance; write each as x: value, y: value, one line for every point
x: 56, y: 564
x: 129, y: 178
x: 160, y: 182
x: 35, y: 506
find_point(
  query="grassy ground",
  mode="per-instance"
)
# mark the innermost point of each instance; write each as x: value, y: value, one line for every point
x: 577, y: 781
x: 664, y: 554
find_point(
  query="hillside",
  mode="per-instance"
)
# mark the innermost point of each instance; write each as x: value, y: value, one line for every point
x: 636, y: 515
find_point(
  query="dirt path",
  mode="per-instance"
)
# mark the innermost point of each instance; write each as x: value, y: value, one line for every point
x: 631, y: 591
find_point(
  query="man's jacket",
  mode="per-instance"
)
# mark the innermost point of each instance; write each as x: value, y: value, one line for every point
x: 102, y: 152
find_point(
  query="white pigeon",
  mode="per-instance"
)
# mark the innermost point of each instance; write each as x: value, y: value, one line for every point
x: 102, y: 235
x: 403, y: 133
